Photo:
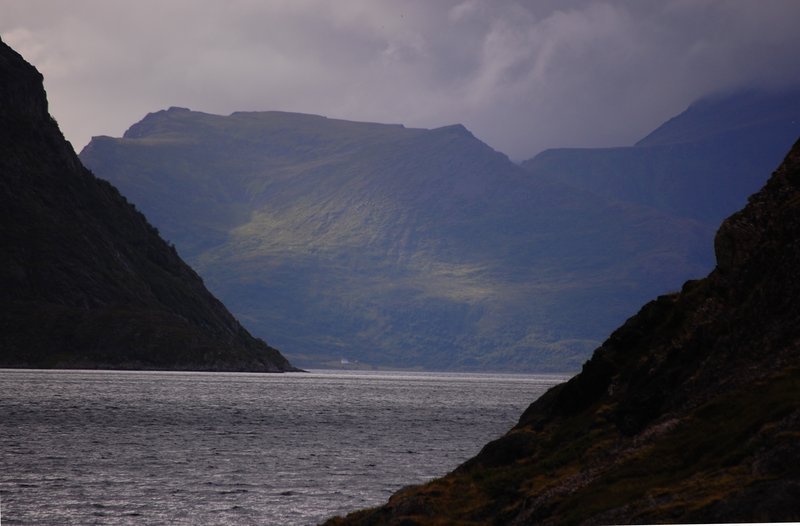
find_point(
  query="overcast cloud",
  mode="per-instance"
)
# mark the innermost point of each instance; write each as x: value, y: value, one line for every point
x: 521, y: 75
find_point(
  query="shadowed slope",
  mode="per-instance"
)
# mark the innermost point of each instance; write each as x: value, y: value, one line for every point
x: 701, y: 164
x: 690, y: 412
x: 85, y: 281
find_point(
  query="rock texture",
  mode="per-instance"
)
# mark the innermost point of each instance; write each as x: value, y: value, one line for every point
x: 689, y: 412
x: 85, y: 281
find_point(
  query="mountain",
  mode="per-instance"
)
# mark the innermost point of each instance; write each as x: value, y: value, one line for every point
x: 85, y: 281
x: 688, y: 413
x: 701, y: 164
x: 391, y: 246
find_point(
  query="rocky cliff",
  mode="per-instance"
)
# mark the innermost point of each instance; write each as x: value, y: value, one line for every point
x: 85, y: 281
x: 689, y: 412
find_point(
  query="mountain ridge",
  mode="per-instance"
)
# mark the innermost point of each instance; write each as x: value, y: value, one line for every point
x: 394, y: 246
x: 701, y: 164
x: 728, y: 113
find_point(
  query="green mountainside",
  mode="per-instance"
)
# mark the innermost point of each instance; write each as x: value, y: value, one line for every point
x: 688, y: 413
x: 395, y: 247
x: 85, y: 281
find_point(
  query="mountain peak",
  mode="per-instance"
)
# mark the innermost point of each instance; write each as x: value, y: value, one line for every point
x: 730, y: 113
x: 455, y: 129
x: 458, y: 127
x: 155, y: 122
x: 21, y: 89
x: 701, y: 164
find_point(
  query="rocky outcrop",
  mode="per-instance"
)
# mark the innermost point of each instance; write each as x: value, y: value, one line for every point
x: 689, y: 412
x: 85, y: 281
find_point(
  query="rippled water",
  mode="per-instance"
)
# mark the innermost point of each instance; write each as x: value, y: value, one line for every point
x: 100, y: 447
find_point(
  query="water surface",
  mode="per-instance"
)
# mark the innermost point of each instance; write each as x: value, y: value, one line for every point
x: 102, y: 447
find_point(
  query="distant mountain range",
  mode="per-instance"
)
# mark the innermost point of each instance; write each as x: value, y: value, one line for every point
x: 396, y: 247
x: 85, y: 280
x: 702, y: 164
x: 688, y: 413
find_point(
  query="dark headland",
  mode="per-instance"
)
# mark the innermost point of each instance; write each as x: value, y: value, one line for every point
x: 85, y: 280
x: 689, y: 412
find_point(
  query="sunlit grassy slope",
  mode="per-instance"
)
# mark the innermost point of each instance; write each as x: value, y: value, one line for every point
x: 393, y: 246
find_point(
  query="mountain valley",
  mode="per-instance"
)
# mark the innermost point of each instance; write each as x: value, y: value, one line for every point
x: 385, y: 246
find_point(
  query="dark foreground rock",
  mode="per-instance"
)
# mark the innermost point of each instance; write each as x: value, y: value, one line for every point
x: 85, y: 281
x: 690, y: 412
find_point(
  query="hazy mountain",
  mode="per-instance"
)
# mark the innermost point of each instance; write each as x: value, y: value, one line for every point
x: 688, y: 413
x: 85, y: 281
x: 701, y: 164
x: 394, y: 246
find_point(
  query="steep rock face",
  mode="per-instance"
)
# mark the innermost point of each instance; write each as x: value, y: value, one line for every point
x: 393, y: 246
x: 85, y: 281
x: 689, y: 412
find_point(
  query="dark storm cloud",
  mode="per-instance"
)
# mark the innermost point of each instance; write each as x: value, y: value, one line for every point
x: 521, y: 75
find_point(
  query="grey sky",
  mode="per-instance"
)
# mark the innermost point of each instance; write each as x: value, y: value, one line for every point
x: 522, y: 75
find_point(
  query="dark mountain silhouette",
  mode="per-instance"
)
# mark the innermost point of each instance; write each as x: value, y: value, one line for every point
x: 689, y: 412
x: 393, y: 246
x: 85, y: 281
